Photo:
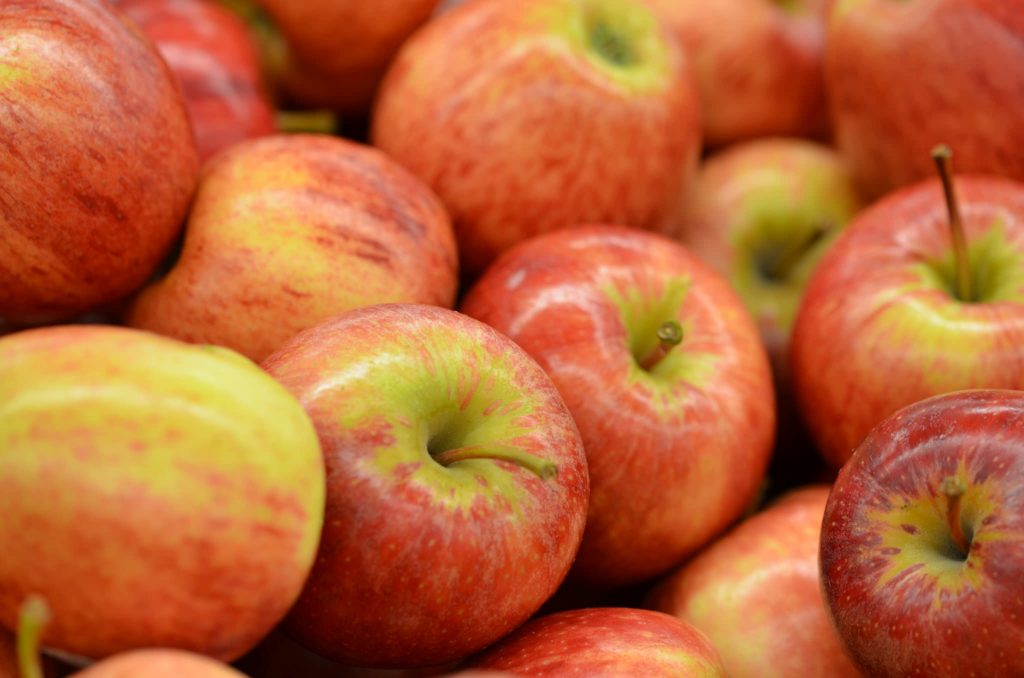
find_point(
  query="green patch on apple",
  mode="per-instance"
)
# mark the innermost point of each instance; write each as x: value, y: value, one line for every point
x: 996, y: 270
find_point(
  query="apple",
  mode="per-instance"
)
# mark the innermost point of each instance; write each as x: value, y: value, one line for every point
x: 457, y: 485
x: 905, y: 76
x: 756, y: 593
x: 289, y: 230
x: 531, y: 116
x: 896, y: 311
x: 97, y: 159
x: 921, y: 545
x: 217, y: 63
x: 605, y: 643
x: 677, y: 439
x: 155, y: 494
x: 758, y: 64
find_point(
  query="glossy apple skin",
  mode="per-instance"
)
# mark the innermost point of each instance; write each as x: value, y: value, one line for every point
x: 419, y: 563
x: 159, y: 663
x: 758, y: 66
x: 211, y: 53
x: 146, y: 494
x: 98, y: 171
x: 691, y: 438
x: 756, y: 593
x: 904, y: 607
x: 289, y: 230
x: 318, y: 73
x: 605, y: 643
x: 878, y: 330
x: 505, y: 110
x: 905, y: 76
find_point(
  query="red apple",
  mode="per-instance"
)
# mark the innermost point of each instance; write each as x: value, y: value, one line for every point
x: 212, y: 54
x: 905, y: 76
x: 756, y: 593
x: 155, y: 494
x: 677, y: 439
x: 530, y: 116
x: 97, y: 159
x: 884, y: 322
x: 289, y: 230
x: 922, y: 543
x: 457, y: 485
x: 758, y: 64
x: 605, y: 643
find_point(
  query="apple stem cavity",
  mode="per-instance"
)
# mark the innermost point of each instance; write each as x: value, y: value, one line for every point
x: 32, y: 617
x: 943, y: 155
x: 540, y: 467
x: 781, y: 266
x: 670, y: 335
x: 308, y: 122
x: 954, y: 488
x: 609, y: 43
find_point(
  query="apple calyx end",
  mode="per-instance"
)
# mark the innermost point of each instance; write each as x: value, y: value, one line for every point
x: 540, y: 467
x: 33, y: 616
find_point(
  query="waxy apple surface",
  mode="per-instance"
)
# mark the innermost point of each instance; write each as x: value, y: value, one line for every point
x: 154, y: 493
x: 881, y: 326
x: 159, y: 663
x: 905, y: 596
x: 96, y: 155
x: 531, y: 116
x: 435, y: 545
x: 675, y: 451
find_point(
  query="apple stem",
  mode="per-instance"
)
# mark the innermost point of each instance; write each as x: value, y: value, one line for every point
x: 943, y: 161
x: 310, y: 122
x: 542, y: 468
x: 33, y: 616
x: 670, y: 335
x: 954, y: 488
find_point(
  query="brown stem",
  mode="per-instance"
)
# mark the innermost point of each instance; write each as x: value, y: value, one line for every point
x: 954, y: 488
x: 943, y: 162
x: 543, y: 468
x: 32, y: 617
x: 670, y: 335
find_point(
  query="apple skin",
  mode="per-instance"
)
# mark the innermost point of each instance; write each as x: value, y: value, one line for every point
x: 605, y: 643
x: 758, y: 65
x: 756, y: 593
x: 904, y: 604
x: 691, y: 438
x: 98, y: 170
x: 147, y: 496
x: 159, y: 663
x: 210, y: 51
x: 522, y: 127
x: 880, y: 328
x: 905, y: 76
x: 420, y: 563
x: 289, y: 230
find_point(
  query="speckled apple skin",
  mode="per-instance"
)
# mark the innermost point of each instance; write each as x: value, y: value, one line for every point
x: 159, y: 663
x: 421, y: 564
x: 675, y: 456
x: 906, y: 76
x: 903, y: 609
x: 605, y: 643
x: 520, y: 130
x: 873, y: 335
x: 155, y: 494
x: 96, y: 155
x: 289, y: 230
x: 756, y: 593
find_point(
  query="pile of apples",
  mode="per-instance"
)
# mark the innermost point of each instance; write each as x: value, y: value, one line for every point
x: 511, y: 337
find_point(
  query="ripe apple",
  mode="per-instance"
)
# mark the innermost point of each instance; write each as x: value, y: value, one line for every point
x: 211, y: 52
x: 148, y: 495
x: 886, y: 322
x: 922, y: 542
x: 677, y: 439
x: 530, y: 116
x: 756, y: 593
x: 605, y: 643
x: 159, y: 663
x: 96, y: 155
x: 289, y: 230
x: 905, y: 76
x: 457, y: 485
x: 758, y: 64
